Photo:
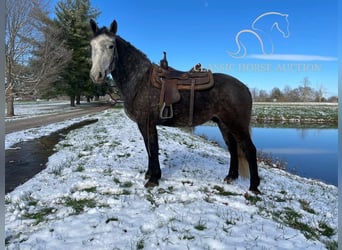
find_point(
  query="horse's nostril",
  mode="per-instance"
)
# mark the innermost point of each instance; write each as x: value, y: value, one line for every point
x: 100, y: 75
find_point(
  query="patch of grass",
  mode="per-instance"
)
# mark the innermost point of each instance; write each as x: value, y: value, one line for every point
x: 221, y: 191
x: 279, y: 199
x: 305, y: 206
x: 325, y: 229
x: 187, y: 182
x: 126, y: 184
x: 115, y: 144
x: 151, y: 198
x: 140, y: 244
x: 108, y: 171
x: 124, y: 155
x: 200, y: 226
x: 30, y: 200
x: 16, y: 237
x: 283, y: 192
x: 90, y: 189
x: 57, y: 170
x: 111, y: 219
x: 40, y: 215
x: 291, y: 214
x: 79, y: 168
x: 126, y: 192
x: 292, y: 219
x: 65, y: 145
x: 116, y: 180
x: 331, y: 245
x: 252, y: 199
x: 169, y: 190
x: 229, y: 222
x: 187, y: 236
x: 79, y: 205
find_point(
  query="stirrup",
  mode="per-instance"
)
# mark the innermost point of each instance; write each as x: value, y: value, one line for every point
x: 169, y: 113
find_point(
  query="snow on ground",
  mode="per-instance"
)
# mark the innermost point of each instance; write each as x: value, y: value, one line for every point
x: 92, y: 196
x: 34, y: 133
x: 35, y: 109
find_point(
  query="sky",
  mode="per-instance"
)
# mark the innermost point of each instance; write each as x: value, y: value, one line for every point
x: 284, y: 41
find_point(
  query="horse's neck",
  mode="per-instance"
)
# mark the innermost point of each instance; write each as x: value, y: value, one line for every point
x: 131, y: 68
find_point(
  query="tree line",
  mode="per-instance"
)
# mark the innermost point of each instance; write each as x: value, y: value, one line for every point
x: 303, y: 93
x: 48, y: 57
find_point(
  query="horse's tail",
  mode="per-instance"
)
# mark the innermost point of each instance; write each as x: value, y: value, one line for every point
x: 243, y: 163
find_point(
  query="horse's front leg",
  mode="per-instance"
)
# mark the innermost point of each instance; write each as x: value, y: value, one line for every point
x: 150, y: 135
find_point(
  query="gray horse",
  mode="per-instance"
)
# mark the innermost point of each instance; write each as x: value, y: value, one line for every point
x: 228, y: 103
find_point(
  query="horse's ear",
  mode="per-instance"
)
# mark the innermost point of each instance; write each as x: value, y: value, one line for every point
x: 93, y: 26
x: 113, y: 27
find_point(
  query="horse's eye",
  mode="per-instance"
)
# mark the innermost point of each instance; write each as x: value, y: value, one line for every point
x: 111, y: 47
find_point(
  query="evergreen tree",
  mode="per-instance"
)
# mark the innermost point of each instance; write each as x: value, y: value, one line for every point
x: 73, y: 18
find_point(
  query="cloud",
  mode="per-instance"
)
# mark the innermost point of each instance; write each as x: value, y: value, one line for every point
x: 292, y: 57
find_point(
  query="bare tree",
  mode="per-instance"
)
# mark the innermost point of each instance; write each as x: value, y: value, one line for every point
x: 16, y: 47
x: 307, y: 92
x: 50, y: 55
x: 26, y: 31
x: 320, y: 93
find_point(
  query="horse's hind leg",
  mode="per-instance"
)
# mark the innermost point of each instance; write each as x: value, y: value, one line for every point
x: 241, y: 141
x: 233, y: 150
x: 249, y: 149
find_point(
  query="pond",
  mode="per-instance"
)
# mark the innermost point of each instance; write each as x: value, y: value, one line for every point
x: 307, y: 152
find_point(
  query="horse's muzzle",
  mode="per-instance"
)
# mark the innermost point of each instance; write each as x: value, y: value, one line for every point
x: 97, y: 76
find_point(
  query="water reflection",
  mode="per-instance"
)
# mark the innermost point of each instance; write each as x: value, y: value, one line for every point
x: 309, y: 152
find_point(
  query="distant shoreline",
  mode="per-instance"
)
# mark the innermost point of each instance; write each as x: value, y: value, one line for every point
x: 293, y: 112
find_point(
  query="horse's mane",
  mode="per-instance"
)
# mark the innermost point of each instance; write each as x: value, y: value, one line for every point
x: 131, y: 50
x: 131, y: 69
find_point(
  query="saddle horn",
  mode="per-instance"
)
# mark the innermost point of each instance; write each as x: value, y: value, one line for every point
x: 163, y: 63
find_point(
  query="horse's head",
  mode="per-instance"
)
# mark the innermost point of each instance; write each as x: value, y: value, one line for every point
x: 103, y: 51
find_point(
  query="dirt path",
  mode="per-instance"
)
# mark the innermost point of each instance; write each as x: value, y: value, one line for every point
x: 37, y: 121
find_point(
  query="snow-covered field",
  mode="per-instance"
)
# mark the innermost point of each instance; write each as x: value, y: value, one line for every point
x: 30, y: 109
x: 305, y: 112
x: 92, y: 196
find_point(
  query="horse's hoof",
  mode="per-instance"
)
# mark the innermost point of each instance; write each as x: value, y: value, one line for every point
x: 148, y: 176
x: 151, y: 184
x: 255, y: 191
x: 229, y: 179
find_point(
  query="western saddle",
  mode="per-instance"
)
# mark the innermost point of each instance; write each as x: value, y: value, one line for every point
x: 170, y: 81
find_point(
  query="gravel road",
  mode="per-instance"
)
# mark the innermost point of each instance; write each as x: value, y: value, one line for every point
x: 14, y: 125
